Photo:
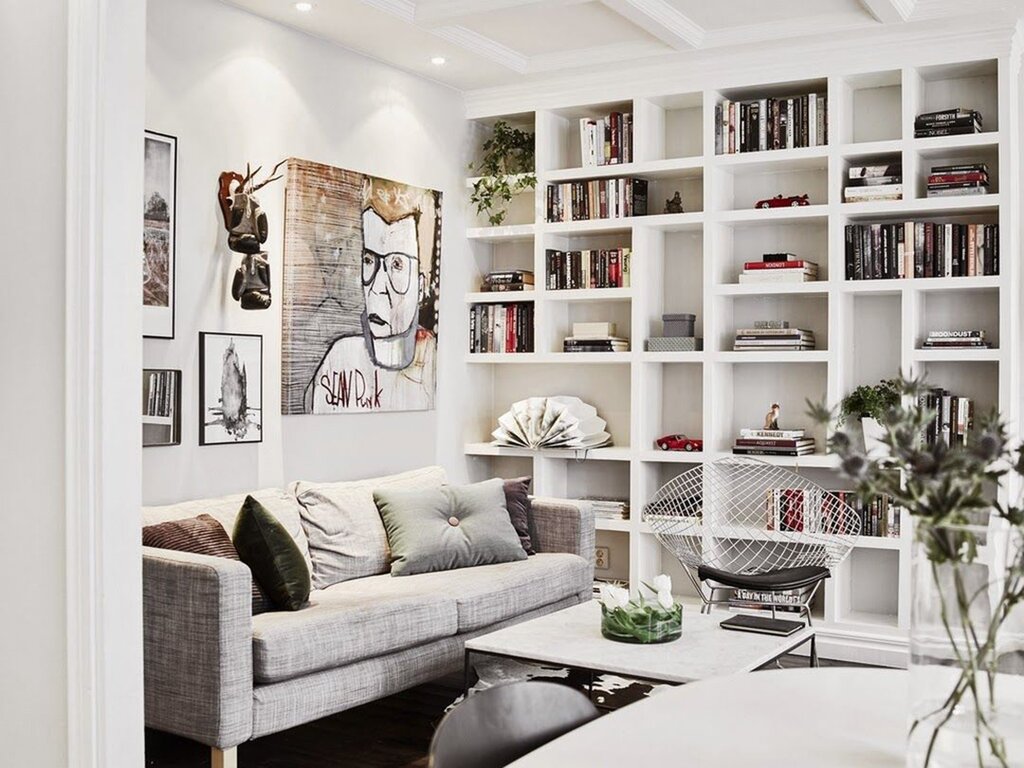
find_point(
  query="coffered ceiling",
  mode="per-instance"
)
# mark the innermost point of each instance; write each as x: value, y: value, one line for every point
x: 488, y: 43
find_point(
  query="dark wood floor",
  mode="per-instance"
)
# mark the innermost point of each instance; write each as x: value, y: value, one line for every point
x: 391, y: 733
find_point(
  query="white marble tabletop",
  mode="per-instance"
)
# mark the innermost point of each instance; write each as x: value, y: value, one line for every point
x: 572, y: 637
x: 794, y: 718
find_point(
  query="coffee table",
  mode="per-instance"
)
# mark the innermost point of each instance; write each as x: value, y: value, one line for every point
x: 572, y: 638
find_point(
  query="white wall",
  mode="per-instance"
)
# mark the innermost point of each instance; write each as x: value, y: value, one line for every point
x: 235, y: 88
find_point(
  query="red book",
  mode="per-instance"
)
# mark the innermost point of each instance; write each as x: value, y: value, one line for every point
x: 798, y: 264
x: 957, y: 178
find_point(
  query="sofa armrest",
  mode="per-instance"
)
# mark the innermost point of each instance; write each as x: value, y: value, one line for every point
x: 558, y: 525
x: 197, y: 632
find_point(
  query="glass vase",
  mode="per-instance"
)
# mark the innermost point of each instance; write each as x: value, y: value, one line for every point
x: 642, y: 624
x: 967, y: 648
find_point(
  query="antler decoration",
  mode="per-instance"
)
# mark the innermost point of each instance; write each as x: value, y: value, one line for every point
x: 270, y: 179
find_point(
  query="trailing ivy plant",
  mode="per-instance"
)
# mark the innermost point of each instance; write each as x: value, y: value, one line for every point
x: 505, y: 170
x: 874, y: 401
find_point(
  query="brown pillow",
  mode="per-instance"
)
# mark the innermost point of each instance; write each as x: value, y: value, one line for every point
x: 201, y: 535
x: 517, y: 500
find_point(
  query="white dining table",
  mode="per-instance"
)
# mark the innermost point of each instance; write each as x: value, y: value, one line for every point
x: 793, y: 718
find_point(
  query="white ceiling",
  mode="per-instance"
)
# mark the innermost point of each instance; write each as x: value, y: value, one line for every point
x: 500, y: 42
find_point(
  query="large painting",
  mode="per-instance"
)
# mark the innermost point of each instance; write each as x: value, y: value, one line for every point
x: 230, y: 388
x: 362, y: 279
x: 159, y: 192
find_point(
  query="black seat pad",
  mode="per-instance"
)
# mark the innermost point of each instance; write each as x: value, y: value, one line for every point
x: 769, y: 581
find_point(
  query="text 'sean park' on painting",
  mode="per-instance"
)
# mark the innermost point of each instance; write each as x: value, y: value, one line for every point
x: 362, y: 279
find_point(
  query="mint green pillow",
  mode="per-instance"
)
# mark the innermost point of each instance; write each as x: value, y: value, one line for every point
x: 449, y: 527
x: 272, y: 555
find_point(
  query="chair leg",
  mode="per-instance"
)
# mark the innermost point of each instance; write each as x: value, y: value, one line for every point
x: 814, y: 651
x: 224, y: 758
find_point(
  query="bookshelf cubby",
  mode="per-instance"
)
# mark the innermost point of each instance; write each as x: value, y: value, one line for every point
x: 865, y: 330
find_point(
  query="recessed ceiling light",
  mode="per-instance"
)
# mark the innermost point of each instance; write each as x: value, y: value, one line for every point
x: 303, y: 7
x: 438, y: 61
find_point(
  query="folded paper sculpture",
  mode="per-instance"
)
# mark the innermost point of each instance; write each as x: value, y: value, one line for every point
x: 552, y: 422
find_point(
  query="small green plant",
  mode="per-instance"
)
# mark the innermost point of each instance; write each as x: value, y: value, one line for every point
x: 505, y: 170
x: 870, y: 400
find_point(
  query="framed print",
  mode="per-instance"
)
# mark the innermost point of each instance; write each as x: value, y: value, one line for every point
x: 161, y: 407
x: 158, y: 235
x: 230, y: 388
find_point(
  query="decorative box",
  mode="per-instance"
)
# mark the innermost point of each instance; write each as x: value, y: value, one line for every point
x: 679, y: 325
x: 675, y: 344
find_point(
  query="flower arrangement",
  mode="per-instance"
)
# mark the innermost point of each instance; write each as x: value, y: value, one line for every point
x: 657, y: 620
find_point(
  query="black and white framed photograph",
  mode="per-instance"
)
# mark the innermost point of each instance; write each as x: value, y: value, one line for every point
x: 230, y: 388
x: 158, y: 235
x: 161, y: 407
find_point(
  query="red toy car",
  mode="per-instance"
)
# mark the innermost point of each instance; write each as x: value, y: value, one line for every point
x: 679, y: 443
x: 783, y: 202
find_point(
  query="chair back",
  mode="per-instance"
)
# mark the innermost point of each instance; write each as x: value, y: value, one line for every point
x: 497, y: 726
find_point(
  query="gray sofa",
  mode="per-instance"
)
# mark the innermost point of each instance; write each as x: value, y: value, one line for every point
x: 221, y: 676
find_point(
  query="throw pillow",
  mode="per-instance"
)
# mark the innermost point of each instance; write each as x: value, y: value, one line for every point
x: 272, y: 554
x: 517, y: 500
x: 449, y: 527
x: 201, y: 535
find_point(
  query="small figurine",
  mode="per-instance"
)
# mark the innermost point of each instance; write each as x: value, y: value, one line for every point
x: 675, y: 205
x: 771, y: 419
x: 781, y: 201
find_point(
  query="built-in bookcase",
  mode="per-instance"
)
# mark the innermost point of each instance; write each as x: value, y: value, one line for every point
x: 689, y: 262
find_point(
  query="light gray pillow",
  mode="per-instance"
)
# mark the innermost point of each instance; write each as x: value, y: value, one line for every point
x: 439, y: 529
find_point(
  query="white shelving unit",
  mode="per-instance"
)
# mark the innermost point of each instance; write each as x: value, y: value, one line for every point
x: 689, y: 262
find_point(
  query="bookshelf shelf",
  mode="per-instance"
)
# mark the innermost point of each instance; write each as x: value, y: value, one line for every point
x: 957, y: 355
x: 610, y: 524
x: 610, y: 453
x: 805, y: 356
x: 550, y: 358
x: 775, y: 215
x: 503, y: 234
x: 689, y: 167
x: 588, y: 294
x: 672, y: 357
x: 814, y: 288
x: 500, y: 297
x: 671, y: 457
x: 927, y: 207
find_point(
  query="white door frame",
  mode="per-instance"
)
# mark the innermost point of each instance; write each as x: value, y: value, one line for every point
x: 103, y: 472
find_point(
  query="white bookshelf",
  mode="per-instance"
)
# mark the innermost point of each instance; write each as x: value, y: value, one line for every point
x: 689, y: 262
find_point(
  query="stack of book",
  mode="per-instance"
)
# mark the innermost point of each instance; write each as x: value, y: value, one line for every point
x: 755, y: 600
x: 608, y: 508
x: 963, y: 339
x: 947, y: 122
x: 773, y: 442
x: 594, y: 337
x: 501, y: 327
x: 954, y: 417
x: 878, y: 517
x: 768, y: 339
x: 779, y: 268
x: 508, y: 280
x: 606, y: 140
x: 921, y: 249
x: 568, y: 270
x: 873, y: 182
x: 763, y: 124
x: 596, y: 199
x: 958, y: 180
x: 161, y: 393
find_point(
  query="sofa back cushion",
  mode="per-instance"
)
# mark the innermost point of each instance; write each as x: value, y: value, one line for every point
x: 279, y: 502
x: 345, y: 532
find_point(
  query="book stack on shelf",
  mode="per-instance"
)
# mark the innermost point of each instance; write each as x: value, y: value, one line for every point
x: 954, y: 417
x: 773, y: 442
x: 921, y: 249
x: 879, y: 517
x: 508, y: 280
x: 161, y: 394
x: 608, y: 508
x: 954, y: 121
x: 958, y: 180
x: 606, y: 268
x: 594, y: 337
x: 779, y: 268
x: 606, y: 140
x: 495, y: 328
x: 772, y: 336
x: 596, y: 199
x: 873, y: 183
x: 764, y: 124
x: 962, y: 339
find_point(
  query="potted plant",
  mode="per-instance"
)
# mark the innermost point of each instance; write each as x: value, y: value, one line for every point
x: 869, y: 404
x: 505, y: 170
x: 641, y: 620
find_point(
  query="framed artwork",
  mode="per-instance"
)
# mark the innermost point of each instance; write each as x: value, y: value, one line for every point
x: 230, y: 388
x: 158, y: 235
x: 362, y: 280
x: 161, y: 407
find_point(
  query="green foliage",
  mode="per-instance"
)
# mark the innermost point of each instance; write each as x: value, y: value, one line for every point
x: 642, y: 622
x: 505, y: 170
x: 866, y: 400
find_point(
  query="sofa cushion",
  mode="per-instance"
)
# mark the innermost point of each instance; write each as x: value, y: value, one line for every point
x: 345, y: 532
x: 272, y: 555
x: 517, y: 499
x: 279, y: 502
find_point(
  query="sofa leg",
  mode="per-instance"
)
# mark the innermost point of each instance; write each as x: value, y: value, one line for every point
x: 224, y: 758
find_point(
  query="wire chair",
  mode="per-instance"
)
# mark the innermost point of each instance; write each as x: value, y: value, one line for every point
x: 743, y: 524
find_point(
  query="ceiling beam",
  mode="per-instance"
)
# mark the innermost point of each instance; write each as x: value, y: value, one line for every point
x: 436, y: 13
x: 890, y: 11
x: 662, y: 20
x: 483, y: 46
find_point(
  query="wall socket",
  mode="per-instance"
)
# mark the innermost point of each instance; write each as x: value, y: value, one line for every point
x: 602, y: 559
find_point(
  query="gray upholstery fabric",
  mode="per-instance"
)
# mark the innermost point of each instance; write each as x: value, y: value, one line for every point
x: 561, y: 526
x: 340, y: 626
x: 197, y: 634
x: 346, y: 536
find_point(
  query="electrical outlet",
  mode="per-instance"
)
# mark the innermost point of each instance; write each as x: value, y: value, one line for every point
x: 602, y: 559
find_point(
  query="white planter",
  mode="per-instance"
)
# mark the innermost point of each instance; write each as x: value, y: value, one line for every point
x: 873, y: 434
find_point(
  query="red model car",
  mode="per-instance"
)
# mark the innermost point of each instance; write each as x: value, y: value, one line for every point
x: 679, y: 443
x: 783, y: 202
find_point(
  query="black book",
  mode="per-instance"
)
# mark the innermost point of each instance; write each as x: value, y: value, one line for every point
x: 762, y: 625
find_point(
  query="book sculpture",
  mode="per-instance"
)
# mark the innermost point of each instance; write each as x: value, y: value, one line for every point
x: 552, y: 422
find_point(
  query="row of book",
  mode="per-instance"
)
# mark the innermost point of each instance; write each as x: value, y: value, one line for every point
x: 921, y: 249
x: 773, y: 442
x: 597, y: 199
x: 960, y: 339
x: 161, y: 393
x: 873, y: 183
x: 955, y: 121
x: 606, y: 140
x: 954, y: 417
x: 507, y: 280
x: 501, y: 327
x: 779, y: 268
x: 765, y: 124
x: 879, y: 517
x: 604, y: 268
x: 806, y: 510
x: 772, y: 340
x: 958, y: 180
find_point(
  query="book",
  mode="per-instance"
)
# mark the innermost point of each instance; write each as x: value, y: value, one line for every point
x: 964, y: 168
x: 920, y: 249
x: 789, y: 264
x: 760, y: 442
x: 773, y: 257
x: 744, y: 450
x: 958, y: 191
x: 501, y: 328
x: 777, y: 434
x: 881, y: 192
x: 612, y: 198
x: 758, y: 125
x: 861, y: 172
x: 590, y: 330
x: 779, y: 276
x: 765, y: 325
x: 770, y: 332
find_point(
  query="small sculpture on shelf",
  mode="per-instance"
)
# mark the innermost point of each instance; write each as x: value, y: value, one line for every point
x: 782, y: 201
x: 771, y: 419
x: 675, y: 204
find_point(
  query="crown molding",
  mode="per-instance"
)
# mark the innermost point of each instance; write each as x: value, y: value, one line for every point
x: 890, y: 11
x: 662, y: 20
x: 401, y: 9
x: 484, y: 46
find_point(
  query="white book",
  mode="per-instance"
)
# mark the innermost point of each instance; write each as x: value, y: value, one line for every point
x: 790, y: 125
x: 781, y: 276
x: 593, y: 330
x: 882, y: 191
x: 948, y: 249
x: 908, y: 249
x: 585, y: 156
x: 812, y: 119
x: 762, y: 125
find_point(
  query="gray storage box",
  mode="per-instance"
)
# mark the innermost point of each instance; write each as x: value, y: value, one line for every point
x: 678, y: 325
x: 675, y: 344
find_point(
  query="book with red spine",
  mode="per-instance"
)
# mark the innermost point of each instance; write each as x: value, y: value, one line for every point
x: 796, y: 264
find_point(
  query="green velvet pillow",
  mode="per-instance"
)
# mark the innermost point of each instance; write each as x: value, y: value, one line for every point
x: 272, y: 555
x: 448, y: 527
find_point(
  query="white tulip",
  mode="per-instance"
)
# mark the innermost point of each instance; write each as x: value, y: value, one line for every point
x: 662, y: 583
x: 665, y: 600
x: 614, y: 597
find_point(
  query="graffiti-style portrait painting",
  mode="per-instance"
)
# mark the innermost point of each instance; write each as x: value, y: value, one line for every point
x: 362, y: 280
